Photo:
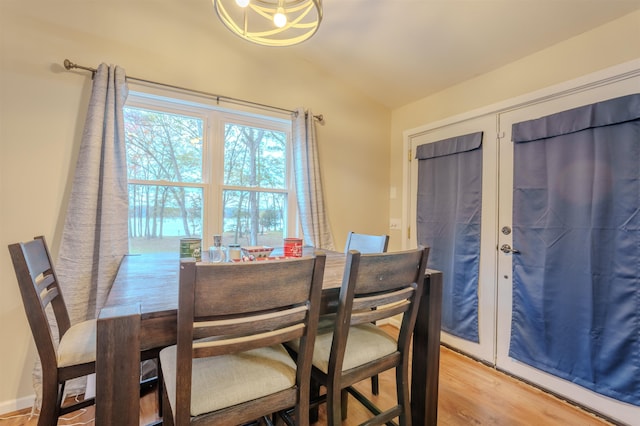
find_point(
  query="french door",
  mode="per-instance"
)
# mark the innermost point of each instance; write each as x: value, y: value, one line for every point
x: 495, y: 279
x: 484, y: 347
x: 613, y: 408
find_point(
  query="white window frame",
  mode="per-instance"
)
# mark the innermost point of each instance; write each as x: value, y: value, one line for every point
x: 214, y: 118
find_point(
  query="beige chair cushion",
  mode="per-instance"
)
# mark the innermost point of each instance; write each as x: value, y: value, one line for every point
x: 78, y: 345
x: 365, y: 343
x: 227, y: 380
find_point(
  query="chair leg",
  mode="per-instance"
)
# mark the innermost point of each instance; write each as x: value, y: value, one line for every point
x: 334, y: 406
x: 375, y: 386
x: 314, y: 394
x: 167, y: 414
x: 160, y: 387
x: 51, y: 398
x: 344, y: 404
x: 402, y: 391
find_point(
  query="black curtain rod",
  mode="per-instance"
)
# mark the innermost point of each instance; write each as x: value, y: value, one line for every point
x: 70, y: 65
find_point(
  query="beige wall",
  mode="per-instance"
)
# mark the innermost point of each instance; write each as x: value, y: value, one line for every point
x: 603, y: 47
x: 42, y: 114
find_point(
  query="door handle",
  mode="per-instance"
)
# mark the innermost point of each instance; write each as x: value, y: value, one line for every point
x: 506, y: 248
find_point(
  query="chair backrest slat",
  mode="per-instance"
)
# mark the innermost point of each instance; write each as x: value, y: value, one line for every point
x: 37, y: 257
x: 43, y: 282
x: 372, y: 301
x: 48, y: 296
x: 206, y: 348
x: 380, y: 313
x: 251, y: 323
x: 389, y: 272
x: 238, y: 288
x: 366, y: 243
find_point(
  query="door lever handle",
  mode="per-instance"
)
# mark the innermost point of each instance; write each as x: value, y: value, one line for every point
x: 506, y: 248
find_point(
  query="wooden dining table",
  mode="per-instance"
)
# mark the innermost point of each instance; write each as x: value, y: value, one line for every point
x: 140, y: 314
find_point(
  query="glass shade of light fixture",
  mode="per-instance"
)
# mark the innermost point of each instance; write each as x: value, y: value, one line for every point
x: 259, y: 21
x: 280, y: 19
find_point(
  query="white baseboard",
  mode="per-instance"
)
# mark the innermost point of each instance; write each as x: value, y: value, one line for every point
x: 16, y: 404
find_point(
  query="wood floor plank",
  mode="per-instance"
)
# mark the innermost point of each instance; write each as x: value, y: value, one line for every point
x: 472, y: 393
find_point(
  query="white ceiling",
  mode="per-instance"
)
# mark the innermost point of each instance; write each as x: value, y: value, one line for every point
x: 399, y: 51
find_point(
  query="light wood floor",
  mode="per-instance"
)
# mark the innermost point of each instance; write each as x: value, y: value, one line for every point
x: 470, y: 393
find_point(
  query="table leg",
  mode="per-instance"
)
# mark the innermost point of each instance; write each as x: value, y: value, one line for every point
x: 118, y: 366
x: 426, y: 346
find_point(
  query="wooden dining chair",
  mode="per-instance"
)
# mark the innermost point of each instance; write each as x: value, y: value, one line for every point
x: 75, y: 354
x: 367, y: 243
x: 374, y: 287
x: 229, y: 365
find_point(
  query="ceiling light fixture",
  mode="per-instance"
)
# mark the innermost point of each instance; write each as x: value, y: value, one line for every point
x: 271, y: 22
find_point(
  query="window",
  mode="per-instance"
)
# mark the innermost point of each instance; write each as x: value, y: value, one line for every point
x: 196, y: 170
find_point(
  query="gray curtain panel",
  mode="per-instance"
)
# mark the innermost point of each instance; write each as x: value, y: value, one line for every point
x: 576, y: 222
x: 95, y: 235
x: 449, y: 206
x: 306, y: 166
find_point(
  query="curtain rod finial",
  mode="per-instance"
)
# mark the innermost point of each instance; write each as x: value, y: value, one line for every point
x: 68, y: 64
